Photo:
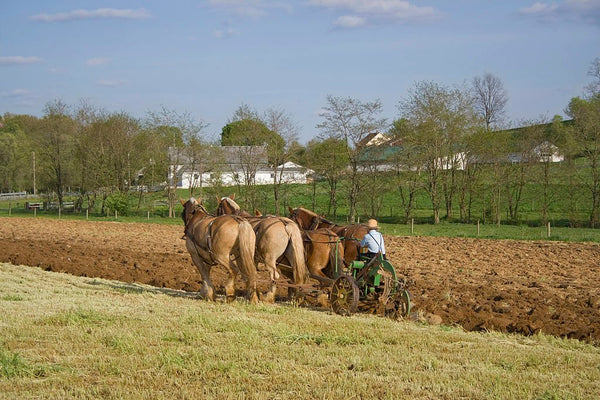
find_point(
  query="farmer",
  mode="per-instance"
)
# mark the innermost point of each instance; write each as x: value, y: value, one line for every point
x: 373, y: 241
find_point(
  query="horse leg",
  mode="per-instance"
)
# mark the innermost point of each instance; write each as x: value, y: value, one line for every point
x: 232, y: 272
x: 270, y: 263
x: 251, y: 290
x: 207, y: 290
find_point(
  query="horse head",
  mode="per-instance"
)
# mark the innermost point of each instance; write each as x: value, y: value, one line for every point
x: 227, y: 206
x: 305, y: 219
x: 190, y: 208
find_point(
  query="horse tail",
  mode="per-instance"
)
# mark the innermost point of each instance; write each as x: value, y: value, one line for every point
x: 295, y: 253
x: 247, y: 245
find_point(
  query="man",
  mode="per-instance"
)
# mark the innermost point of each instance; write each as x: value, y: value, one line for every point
x: 373, y: 240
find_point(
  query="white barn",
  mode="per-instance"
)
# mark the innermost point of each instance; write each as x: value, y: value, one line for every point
x: 233, y: 165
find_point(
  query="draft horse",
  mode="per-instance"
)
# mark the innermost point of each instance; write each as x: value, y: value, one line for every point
x: 351, y: 235
x: 225, y: 240
x: 323, y: 252
x: 276, y: 238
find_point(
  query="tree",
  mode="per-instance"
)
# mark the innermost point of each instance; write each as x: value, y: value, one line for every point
x: 438, y: 118
x: 408, y: 163
x: 54, y: 141
x: 246, y: 132
x: 177, y: 131
x: 351, y: 120
x: 328, y: 158
x: 490, y: 99
x: 15, y: 154
x: 593, y: 89
x: 88, y: 155
x: 517, y: 172
x: 279, y: 146
x: 586, y: 141
x: 549, y: 137
x: 475, y: 147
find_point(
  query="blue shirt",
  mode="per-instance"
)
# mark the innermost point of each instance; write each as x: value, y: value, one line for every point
x: 373, y: 241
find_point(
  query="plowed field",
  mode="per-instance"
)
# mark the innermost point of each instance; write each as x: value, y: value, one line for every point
x: 506, y: 285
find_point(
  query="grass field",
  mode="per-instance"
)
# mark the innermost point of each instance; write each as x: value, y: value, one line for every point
x: 70, y: 337
x: 447, y: 229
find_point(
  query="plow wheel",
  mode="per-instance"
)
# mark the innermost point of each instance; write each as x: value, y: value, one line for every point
x: 344, y: 295
x: 398, y: 305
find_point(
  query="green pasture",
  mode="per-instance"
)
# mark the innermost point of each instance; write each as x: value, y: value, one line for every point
x: 151, y: 208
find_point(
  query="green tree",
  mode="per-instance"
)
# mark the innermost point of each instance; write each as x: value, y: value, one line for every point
x: 55, y: 145
x: 246, y: 132
x: 351, y: 120
x: 279, y: 146
x: 16, y: 158
x: 586, y: 140
x: 438, y: 118
x: 328, y: 158
x: 176, y: 131
x: 408, y: 164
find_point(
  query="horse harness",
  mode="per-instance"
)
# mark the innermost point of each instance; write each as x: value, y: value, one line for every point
x: 209, y: 247
x: 259, y: 232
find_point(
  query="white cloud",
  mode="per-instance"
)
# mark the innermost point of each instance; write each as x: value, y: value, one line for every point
x: 97, y: 61
x: 349, y: 21
x: 140, y: 13
x: 226, y: 33
x: 377, y: 12
x: 111, y: 83
x: 587, y: 11
x: 11, y: 60
x: 250, y: 8
x: 17, y: 93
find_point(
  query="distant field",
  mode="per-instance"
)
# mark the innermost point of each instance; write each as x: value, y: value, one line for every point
x: 69, y: 337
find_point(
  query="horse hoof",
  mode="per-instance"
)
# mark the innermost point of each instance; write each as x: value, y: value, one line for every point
x: 269, y: 298
x: 253, y: 298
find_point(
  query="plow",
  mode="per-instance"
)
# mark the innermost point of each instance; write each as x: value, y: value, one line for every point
x: 366, y: 285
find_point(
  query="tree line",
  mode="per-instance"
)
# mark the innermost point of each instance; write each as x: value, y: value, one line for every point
x: 450, y: 143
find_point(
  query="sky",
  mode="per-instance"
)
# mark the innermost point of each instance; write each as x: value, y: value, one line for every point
x: 207, y: 58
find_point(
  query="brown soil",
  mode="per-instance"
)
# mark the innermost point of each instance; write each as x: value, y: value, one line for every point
x: 507, y: 285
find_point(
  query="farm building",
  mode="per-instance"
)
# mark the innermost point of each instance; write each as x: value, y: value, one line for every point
x: 232, y: 165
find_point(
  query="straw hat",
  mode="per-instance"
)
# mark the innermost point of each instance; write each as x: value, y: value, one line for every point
x: 372, y: 224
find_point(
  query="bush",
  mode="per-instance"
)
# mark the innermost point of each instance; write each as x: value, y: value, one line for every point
x: 118, y: 202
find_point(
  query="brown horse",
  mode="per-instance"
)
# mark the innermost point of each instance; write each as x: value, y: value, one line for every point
x: 227, y: 240
x: 351, y: 234
x: 323, y: 252
x: 276, y: 237
x: 227, y: 205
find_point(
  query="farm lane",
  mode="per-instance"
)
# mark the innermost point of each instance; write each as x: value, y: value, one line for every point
x: 507, y: 285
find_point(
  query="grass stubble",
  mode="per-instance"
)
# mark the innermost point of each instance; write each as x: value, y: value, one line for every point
x: 71, y: 337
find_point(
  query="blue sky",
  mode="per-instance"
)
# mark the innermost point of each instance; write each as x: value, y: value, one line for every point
x: 209, y: 57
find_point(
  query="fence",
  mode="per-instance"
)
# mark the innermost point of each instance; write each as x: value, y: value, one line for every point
x: 13, y: 196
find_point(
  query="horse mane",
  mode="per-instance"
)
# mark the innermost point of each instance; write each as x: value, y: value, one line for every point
x: 320, y: 217
x: 231, y: 203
